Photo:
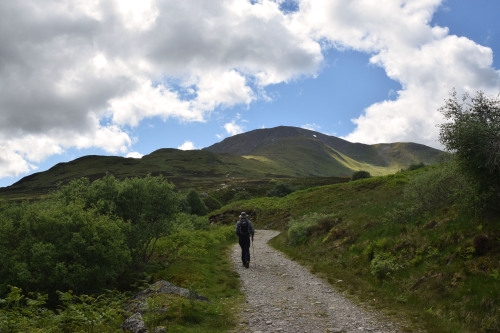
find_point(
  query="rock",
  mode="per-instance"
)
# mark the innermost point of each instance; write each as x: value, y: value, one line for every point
x: 134, y: 324
x: 138, y: 304
x: 165, y: 287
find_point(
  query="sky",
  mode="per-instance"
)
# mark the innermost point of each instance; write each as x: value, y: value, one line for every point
x: 125, y: 77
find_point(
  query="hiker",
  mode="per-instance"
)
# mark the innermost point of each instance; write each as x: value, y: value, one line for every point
x: 244, y: 229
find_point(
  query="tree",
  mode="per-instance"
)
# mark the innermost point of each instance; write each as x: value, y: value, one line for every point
x: 280, y: 190
x: 360, y: 175
x: 195, y: 204
x: 52, y: 245
x: 473, y: 135
x: 148, y: 205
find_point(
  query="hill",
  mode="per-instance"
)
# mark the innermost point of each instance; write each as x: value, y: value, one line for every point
x: 435, y: 266
x: 281, y: 152
x: 195, y: 168
x: 302, y: 152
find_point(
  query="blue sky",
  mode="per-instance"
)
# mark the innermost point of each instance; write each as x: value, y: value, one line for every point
x: 124, y: 78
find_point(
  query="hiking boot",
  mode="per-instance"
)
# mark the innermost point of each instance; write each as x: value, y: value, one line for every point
x: 247, y: 264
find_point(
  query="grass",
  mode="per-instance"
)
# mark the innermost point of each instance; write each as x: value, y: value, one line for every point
x: 421, y: 269
x: 199, y: 261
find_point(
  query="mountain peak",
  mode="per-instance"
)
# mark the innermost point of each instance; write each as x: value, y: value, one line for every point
x: 246, y: 143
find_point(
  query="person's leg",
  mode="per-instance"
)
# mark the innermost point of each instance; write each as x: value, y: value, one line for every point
x: 246, y: 251
x: 242, y: 245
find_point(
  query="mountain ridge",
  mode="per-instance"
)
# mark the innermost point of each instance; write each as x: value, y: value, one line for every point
x: 274, y: 141
x: 278, y: 152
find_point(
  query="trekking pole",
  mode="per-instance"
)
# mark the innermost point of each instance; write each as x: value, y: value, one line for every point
x: 253, y: 250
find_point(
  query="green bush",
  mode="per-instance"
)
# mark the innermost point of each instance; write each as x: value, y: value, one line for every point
x: 28, y: 313
x: 195, y: 204
x: 148, y: 205
x: 190, y: 222
x: 439, y: 186
x: 415, y: 166
x: 360, y: 175
x: 50, y: 245
x: 280, y: 190
x: 383, y: 265
x: 212, y: 203
x: 473, y: 135
x: 300, y: 229
x: 241, y: 195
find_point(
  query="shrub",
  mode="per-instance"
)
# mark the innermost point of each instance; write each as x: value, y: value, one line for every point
x: 147, y: 204
x: 383, y: 265
x: 438, y: 186
x: 415, y: 166
x: 241, y: 195
x: 50, y: 245
x: 185, y: 221
x: 195, y: 204
x: 360, y: 175
x: 280, y: 190
x: 473, y: 134
x: 212, y: 203
x: 300, y: 229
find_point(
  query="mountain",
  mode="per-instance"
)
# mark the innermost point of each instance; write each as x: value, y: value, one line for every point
x: 302, y: 152
x: 260, y: 154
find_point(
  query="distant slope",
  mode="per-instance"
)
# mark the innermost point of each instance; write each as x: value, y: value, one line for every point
x: 183, y: 168
x: 260, y: 154
x: 304, y: 152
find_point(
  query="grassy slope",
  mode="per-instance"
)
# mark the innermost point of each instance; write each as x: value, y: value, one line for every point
x: 437, y: 282
x: 186, y: 169
x: 200, y: 261
x: 275, y: 157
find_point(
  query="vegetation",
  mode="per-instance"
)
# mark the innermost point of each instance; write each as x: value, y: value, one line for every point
x: 61, y: 256
x: 279, y: 153
x: 360, y: 175
x: 407, y: 243
x: 194, y: 205
x: 473, y: 135
x: 404, y: 243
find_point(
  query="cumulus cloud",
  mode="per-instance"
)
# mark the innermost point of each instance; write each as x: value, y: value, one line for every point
x: 311, y: 127
x: 134, y: 154
x: 69, y: 67
x: 81, y: 73
x: 424, y: 59
x: 187, y: 145
x: 232, y: 128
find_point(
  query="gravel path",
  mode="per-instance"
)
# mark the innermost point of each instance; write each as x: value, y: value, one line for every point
x: 283, y: 296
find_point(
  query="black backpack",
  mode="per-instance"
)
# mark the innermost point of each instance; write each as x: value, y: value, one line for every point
x: 244, y: 229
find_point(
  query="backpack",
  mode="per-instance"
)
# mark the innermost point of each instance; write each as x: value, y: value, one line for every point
x: 244, y: 229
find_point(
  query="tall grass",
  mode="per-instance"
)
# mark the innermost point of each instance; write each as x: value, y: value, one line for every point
x: 404, y: 243
x: 194, y: 259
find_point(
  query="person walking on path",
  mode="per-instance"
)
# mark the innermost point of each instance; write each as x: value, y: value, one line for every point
x: 244, y: 229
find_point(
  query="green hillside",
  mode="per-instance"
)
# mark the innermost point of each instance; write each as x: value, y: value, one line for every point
x: 261, y: 155
x: 428, y: 263
x: 197, y: 168
x: 290, y: 143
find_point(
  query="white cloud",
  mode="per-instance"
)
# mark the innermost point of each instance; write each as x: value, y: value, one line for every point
x: 80, y: 73
x: 311, y: 127
x: 187, y: 145
x: 134, y: 154
x: 424, y: 59
x: 67, y: 65
x: 232, y: 128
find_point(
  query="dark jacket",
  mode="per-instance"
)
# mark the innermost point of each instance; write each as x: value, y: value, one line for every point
x: 251, y: 231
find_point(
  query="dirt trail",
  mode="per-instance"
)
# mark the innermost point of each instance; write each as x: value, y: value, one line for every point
x: 283, y: 296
